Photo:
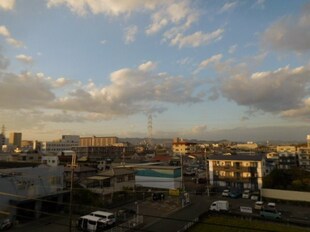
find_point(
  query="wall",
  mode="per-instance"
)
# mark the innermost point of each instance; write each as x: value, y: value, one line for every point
x: 286, y: 195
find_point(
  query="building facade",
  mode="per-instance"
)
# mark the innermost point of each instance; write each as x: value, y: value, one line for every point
x: 239, y: 171
x: 97, y: 141
x: 15, y: 139
x: 30, y: 191
x: 64, y: 144
x: 179, y: 146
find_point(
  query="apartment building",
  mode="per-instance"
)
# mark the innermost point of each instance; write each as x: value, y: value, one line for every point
x: 97, y: 141
x: 15, y: 139
x: 64, y: 144
x: 239, y: 171
x: 179, y: 146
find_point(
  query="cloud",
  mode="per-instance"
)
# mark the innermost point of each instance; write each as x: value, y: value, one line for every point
x: 24, y: 91
x: 130, y: 34
x: 148, y: 66
x: 4, y: 62
x: 213, y: 59
x: 232, y: 49
x: 7, y: 4
x: 10, y: 40
x: 290, y: 33
x: 196, y: 39
x: 178, y: 13
x: 131, y: 91
x: 14, y: 42
x: 302, y: 112
x: 108, y: 7
x: 199, y: 130
x: 4, y: 31
x: 259, y: 4
x: 25, y: 59
x: 273, y: 91
x: 228, y: 6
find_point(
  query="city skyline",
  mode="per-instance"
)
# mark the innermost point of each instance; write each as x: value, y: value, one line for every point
x: 210, y: 70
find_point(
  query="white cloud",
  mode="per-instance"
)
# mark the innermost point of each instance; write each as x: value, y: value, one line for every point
x: 199, y: 130
x: 130, y: 34
x: 228, y: 6
x: 7, y: 4
x: 109, y: 7
x: 4, y: 31
x: 178, y: 13
x: 290, y: 33
x: 24, y: 91
x: 213, y: 59
x: 232, y: 49
x: 14, y: 42
x: 25, y: 59
x: 272, y: 91
x: 196, y: 39
x: 131, y: 91
x: 148, y: 66
x: 103, y: 41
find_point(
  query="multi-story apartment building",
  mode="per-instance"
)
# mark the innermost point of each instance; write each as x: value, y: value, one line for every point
x: 179, y: 146
x: 289, y: 149
x: 97, y: 141
x: 15, y: 139
x: 239, y: 171
x: 64, y: 144
x: 287, y: 160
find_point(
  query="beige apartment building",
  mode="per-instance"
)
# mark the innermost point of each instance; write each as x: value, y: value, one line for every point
x: 97, y: 141
x: 180, y: 146
x: 15, y: 139
x: 239, y: 171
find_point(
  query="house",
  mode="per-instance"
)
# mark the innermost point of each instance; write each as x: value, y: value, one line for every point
x: 239, y: 171
x: 79, y: 174
x: 108, y: 182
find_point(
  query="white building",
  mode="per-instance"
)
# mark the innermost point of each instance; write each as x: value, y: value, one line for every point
x: 23, y: 191
x: 64, y: 144
x: 50, y: 160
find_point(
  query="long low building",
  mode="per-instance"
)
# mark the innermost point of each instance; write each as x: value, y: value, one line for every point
x: 162, y: 177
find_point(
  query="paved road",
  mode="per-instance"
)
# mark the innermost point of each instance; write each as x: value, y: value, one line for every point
x: 167, y: 214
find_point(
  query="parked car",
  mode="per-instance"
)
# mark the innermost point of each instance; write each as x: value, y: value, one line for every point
x: 225, y: 193
x: 270, y: 213
x: 246, y: 194
x: 258, y: 205
x: 255, y: 196
x: 271, y: 205
x: 234, y: 194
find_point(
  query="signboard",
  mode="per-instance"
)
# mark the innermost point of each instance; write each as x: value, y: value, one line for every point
x: 244, y: 209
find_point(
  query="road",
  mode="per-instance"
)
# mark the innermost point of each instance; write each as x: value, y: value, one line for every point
x: 169, y: 214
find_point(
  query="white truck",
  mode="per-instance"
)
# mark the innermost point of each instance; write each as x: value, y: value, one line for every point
x: 219, y: 206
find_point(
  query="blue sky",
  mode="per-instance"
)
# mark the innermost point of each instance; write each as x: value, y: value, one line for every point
x: 237, y: 70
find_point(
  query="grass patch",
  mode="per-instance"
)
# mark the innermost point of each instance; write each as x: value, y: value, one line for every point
x: 230, y: 224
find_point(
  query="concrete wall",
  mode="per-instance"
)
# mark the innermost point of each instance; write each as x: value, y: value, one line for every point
x: 286, y: 195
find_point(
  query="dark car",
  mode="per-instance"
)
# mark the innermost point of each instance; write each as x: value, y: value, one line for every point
x: 235, y: 195
x: 158, y: 196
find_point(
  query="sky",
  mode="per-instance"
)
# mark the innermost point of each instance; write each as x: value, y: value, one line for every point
x: 204, y: 69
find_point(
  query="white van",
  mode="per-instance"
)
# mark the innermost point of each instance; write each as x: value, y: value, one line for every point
x: 91, y: 223
x: 108, y: 217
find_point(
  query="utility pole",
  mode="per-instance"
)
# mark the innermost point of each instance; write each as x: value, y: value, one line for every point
x: 72, y: 166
